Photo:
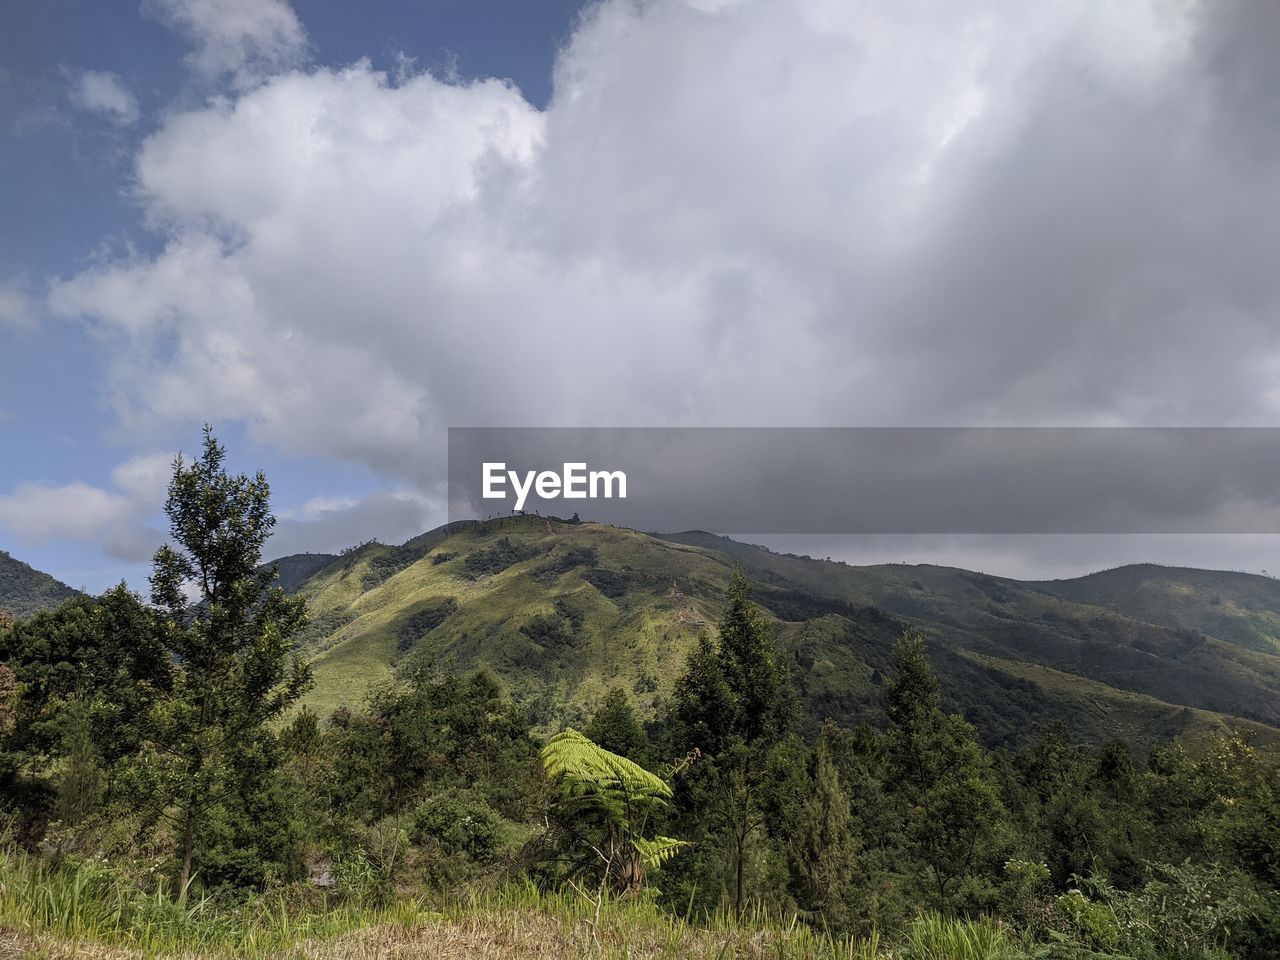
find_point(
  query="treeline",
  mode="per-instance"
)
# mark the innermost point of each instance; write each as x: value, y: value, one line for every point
x: 165, y: 738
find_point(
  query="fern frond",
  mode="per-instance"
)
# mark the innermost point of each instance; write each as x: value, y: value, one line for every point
x: 659, y: 850
x: 583, y: 763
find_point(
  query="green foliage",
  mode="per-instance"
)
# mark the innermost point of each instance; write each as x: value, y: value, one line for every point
x: 235, y: 669
x: 952, y: 812
x: 437, y: 786
x: 1009, y: 657
x: 551, y: 631
x: 604, y: 805
x: 430, y: 734
x: 321, y: 626
x: 614, y: 584
x: 491, y: 560
x: 423, y: 621
x: 385, y: 562
x: 1188, y: 910
x: 458, y: 822
x: 1089, y: 922
x: 105, y: 654
x: 731, y: 706
x: 25, y: 591
x: 616, y: 727
x: 934, y: 937
x: 823, y: 846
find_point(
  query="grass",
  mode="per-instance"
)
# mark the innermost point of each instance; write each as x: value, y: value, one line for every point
x: 87, y: 910
x: 1027, y: 655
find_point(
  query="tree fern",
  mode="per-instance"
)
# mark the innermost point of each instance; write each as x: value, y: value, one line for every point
x: 604, y: 803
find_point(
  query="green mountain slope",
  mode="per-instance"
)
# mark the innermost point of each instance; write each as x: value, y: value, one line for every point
x: 565, y: 611
x: 24, y: 590
x: 1017, y: 621
x: 296, y: 569
x: 1240, y: 608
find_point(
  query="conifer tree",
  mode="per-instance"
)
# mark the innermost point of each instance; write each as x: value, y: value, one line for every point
x: 732, y: 705
x: 823, y: 846
x: 229, y: 629
x: 943, y: 782
x: 616, y: 728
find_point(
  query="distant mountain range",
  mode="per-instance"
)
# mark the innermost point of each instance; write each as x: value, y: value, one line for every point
x: 24, y: 589
x: 564, y: 611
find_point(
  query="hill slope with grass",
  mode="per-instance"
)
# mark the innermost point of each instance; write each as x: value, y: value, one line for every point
x: 563, y: 612
x: 1240, y: 608
x: 25, y: 590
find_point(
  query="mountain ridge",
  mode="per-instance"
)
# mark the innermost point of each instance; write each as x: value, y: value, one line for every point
x: 564, y: 611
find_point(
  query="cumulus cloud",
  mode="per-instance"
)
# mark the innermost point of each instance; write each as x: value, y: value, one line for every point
x: 118, y: 519
x: 125, y: 519
x: 752, y: 212
x: 235, y: 40
x: 102, y: 92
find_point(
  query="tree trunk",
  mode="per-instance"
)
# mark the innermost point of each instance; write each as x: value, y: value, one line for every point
x: 188, y: 849
x: 741, y: 856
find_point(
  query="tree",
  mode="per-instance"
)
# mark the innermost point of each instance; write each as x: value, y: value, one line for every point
x: 943, y: 783
x: 616, y: 727
x: 732, y: 706
x: 104, y: 655
x: 823, y: 846
x: 236, y: 671
x: 605, y: 804
x: 750, y: 668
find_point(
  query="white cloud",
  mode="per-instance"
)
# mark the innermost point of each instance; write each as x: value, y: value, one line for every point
x: 145, y: 479
x: 100, y: 91
x: 235, y: 40
x: 38, y: 513
x: 756, y: 212
x: 16, y: 308
x: 117, y: 519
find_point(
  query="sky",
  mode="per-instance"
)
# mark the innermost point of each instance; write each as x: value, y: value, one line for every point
x: 334, y: 230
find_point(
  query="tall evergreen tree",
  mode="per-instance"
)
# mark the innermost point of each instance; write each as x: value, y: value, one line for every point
x: 229, y: 629
x: 733, y: 706
x: 616, y: 728
x: 944, y: 786
x: 823, y: 845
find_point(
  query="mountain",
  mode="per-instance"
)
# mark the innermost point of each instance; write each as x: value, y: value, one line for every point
x: 564, y: 611
x: 296, y: 569
x: 1239, y: 607
x: 24, y: 590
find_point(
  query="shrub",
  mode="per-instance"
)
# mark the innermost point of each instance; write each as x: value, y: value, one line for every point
x: 503, y: 554
x: 458, y: 822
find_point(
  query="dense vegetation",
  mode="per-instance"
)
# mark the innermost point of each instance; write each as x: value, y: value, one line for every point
x: 164, y: 791
x: 24, y: 590
x: 563, y: 613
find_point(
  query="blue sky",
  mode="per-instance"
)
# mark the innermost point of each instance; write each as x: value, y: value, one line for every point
x: 64, y: 197
x: 335, y: 230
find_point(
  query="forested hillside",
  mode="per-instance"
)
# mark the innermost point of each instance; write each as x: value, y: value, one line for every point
x: 24, y: 590
x: 563, y: 612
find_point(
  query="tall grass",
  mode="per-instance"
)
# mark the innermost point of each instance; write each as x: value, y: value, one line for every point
x: 934, y: 937
x: 87, y: 901
x: 87, y: 908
